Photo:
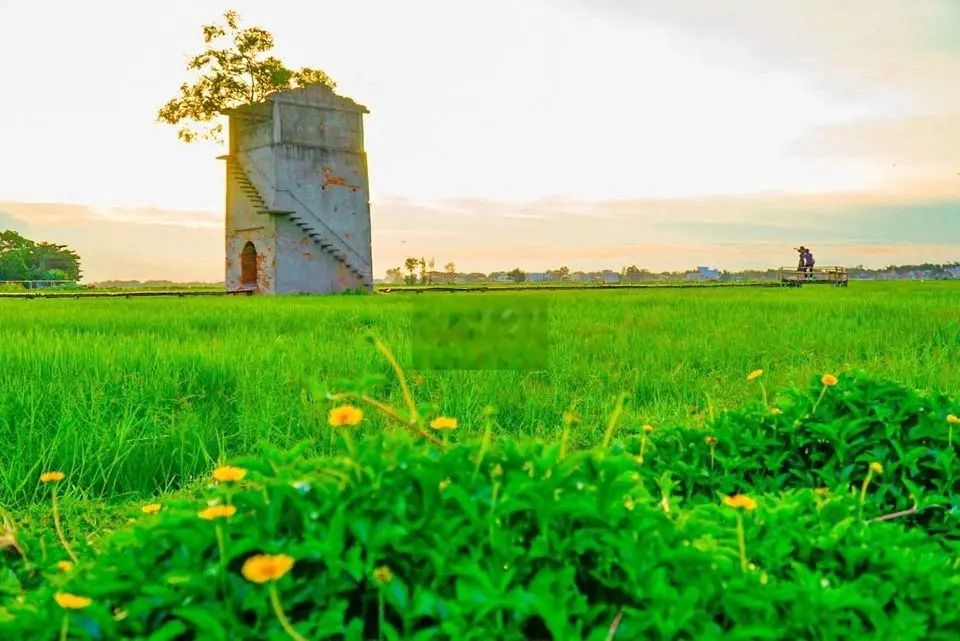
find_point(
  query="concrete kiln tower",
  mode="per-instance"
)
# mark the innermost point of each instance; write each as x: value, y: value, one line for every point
x: 298, y: 196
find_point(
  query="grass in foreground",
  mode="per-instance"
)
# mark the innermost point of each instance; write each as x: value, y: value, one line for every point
x: 831, y: 513
x: 135, y: 397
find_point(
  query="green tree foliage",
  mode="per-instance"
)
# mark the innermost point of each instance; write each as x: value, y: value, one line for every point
x: 24, y: 259
x: 235, y: 69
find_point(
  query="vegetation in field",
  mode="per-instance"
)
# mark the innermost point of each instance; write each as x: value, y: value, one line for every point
x: 828, y: 511
x: 132, y: 397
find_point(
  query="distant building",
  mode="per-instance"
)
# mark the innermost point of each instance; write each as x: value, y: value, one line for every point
x: 538, y: 277
x: 703, y: 273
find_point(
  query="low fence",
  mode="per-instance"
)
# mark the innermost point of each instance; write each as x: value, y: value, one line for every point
x: 36, y: 284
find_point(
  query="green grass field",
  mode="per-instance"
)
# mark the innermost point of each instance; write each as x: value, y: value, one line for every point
x: 136, y: 396
x: 137, y: 400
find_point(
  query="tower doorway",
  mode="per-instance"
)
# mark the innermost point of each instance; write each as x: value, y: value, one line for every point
x: 248, y: 267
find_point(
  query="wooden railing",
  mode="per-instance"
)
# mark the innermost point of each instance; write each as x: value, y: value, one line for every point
x: 832, y: 275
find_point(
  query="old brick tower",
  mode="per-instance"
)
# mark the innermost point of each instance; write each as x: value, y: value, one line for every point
x: 298, y: 197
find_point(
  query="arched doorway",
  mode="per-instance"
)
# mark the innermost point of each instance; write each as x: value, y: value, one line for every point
x: 248, y: 266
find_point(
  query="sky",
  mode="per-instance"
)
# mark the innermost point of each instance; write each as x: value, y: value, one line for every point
x: 587, y: 133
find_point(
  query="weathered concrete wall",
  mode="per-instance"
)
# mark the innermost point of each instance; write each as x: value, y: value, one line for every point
x: 320, y: 159
x: 244, y: 224
x: 302, y: 267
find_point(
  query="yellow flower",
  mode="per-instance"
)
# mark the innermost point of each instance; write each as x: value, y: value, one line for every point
x: 822, y: 491
x: 51, y: 477
x: 261, y: 568
x: 382, y: 575
x: 443, y: 423
x: 64, y: 566
x: 710, y: 440
x: 755, y: 374
x: 217, y: 511
x: 829, y: 380
x: 648, y: 428
x: 444, y: 484
x: 629, y: 503
x: 71, y: 601
x: 740, y: 500
x: 776, y: 410
x: 228, y: 473
x: 952, y: 419
x: 151, y: 508
x: 345, y: 415
x: 876, y: 467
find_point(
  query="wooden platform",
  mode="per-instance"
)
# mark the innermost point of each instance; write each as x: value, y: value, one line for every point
x: 835, y: 276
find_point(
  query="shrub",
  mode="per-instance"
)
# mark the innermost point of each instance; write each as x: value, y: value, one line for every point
x: 401, y: 540
x: 766, y: 526
x: 826, y: 436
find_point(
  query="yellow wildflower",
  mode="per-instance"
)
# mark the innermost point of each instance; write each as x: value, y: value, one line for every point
x: 776, y: 410
x: 51, y: 477
x: 261, y: 568
x: 443, y: 423
x: 829, y: 380
x: 444, y: 484
x: 755, y: 374
x: 876, y: 467
x: 740, y: 501
x: 71, y: 601
x: 952, y: 419
x: 217, y: 511
x: 710, y: 440
x: 345, y: 415
x: 382, y: 575
x: 64, y: 566
x: 151, y: 508
x: 648, y: 428
x: 228, y: 473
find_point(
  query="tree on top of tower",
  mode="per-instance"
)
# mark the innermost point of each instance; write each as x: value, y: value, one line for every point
x: 235, y: 69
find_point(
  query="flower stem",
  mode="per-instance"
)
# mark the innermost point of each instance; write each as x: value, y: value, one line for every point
x: 281, y: 617
x: 611, y: 426
x: 381, y: 615
x: 348, y: 441
x: 65, y: 627
x: 742, y: 539
x: 763, y: 390
x: 59, y: 528
x: 484, y: 444
x: 403, y: 379
x: 863, y: 490
x: 222, y: 548
x: 820, y: 398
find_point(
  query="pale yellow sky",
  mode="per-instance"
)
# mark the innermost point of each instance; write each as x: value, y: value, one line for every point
x: 506, y: 105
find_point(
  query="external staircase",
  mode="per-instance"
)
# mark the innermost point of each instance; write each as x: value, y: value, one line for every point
x: 328, y: 240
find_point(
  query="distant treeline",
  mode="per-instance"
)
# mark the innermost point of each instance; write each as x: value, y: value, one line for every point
x: 22, y: 259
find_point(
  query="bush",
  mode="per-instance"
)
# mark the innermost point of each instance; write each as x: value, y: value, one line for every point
x: 766, y: 531
x: 826, y: 436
